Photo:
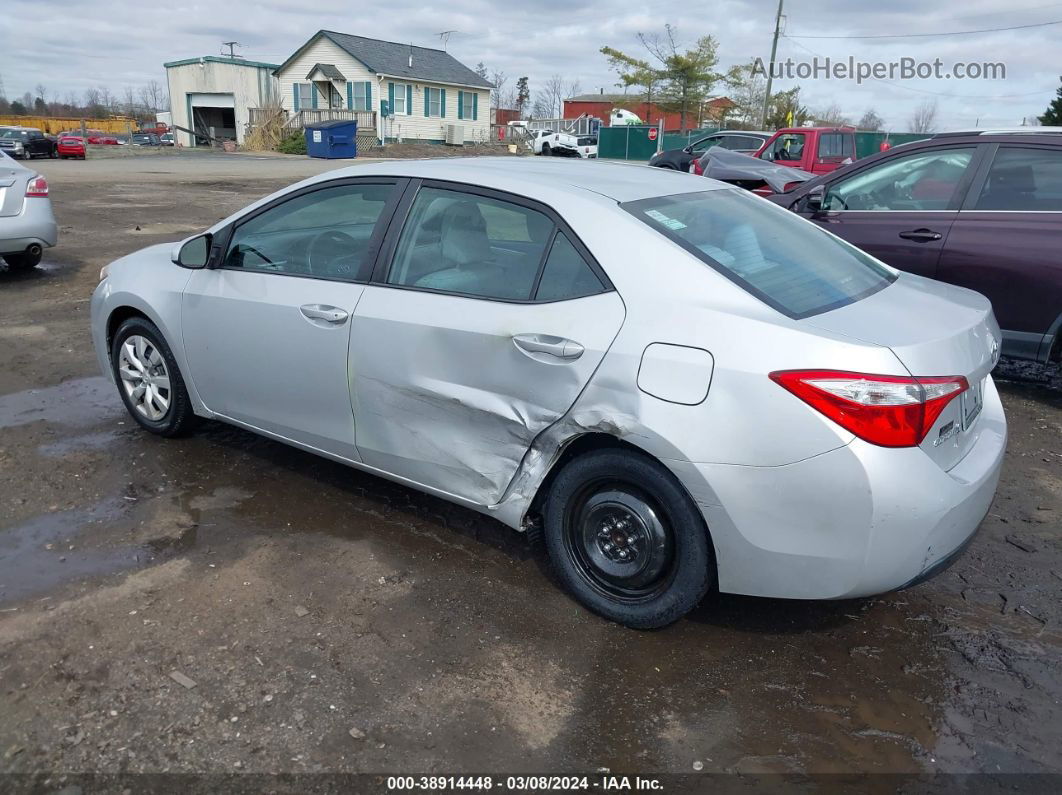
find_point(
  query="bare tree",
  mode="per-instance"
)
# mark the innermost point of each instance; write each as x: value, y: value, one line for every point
x: 42, y: 94
x: 498, y: 94
x: 129, y: 107
x: 575, y: 88
x: 871, y: 121
x: 549, y: 100
x: 924, y: 119
x: 831, y: 116
x: 152, y: 96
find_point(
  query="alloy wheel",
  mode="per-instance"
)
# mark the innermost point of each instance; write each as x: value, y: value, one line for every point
x: 144, y: 377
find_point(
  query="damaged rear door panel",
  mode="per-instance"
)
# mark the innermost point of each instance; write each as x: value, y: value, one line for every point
x: 485, y: 319
x: 446, y: 398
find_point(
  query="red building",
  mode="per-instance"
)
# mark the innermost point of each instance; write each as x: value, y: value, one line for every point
x: 601, y: 105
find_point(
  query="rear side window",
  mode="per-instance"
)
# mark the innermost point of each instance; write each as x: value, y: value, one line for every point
x: 566, y: 274
x: 1023, y: 179
x: 787, y: 262
x: 833, y: 145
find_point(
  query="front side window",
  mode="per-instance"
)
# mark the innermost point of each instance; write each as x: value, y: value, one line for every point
x: 786, y: 148
x: 785, y: 261
x: 473, y: 245
x: 1023, y: 179
x: 706, y: 143
x: 324, y: 234
x: 920, y: 181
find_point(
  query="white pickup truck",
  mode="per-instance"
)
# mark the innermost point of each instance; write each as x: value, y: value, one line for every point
x: 548, y: 142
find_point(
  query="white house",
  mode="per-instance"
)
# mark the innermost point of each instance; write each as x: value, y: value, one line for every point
x: 214, y: 95
x: 416, y: 92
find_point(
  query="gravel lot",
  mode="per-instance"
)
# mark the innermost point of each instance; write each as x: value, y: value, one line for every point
x: 225, y: 603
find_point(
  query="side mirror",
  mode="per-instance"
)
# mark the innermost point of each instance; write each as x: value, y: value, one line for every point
x: 192, y: 253
x: 815, y: 198
x: 688, y: 149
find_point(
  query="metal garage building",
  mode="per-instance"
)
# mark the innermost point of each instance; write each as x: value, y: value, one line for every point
x: 213, y: 95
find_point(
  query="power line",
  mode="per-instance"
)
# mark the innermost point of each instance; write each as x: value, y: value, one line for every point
x: 931, y: 35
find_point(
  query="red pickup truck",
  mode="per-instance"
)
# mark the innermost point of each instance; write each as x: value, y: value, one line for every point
x: 817, y: 150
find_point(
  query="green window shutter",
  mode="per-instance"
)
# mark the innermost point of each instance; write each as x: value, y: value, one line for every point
x: 442, y: 102
x: 296, y: 105
x: 409, y: 99
x: 313, y: 95
x: 427, y: 102
x: 350, y: 95
x: 368, y: 95
x: 391, y: 97
x: 460, y: 104
x: 475, y: 106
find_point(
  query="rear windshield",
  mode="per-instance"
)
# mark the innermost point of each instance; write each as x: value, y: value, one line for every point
x: 785, y: 261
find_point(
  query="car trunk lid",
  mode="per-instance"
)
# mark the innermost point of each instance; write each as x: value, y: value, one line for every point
x: 12, y: 188
x: 934, y: 329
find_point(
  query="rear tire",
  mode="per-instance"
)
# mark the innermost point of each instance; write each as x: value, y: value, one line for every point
x: 626, y: 540
x: 25, y: 261
x: 149, y: 381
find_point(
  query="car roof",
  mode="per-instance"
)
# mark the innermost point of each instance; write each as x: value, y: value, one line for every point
x: 533, y: 176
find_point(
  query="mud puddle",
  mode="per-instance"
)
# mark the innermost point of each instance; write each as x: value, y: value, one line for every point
x: 79, y: 402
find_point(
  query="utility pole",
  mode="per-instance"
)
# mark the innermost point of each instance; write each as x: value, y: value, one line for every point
x: 231, y: 45
x: 770, y: 65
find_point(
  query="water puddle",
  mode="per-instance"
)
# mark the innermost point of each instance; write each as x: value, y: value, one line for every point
x: 61, y: 547
x: 77, y: 403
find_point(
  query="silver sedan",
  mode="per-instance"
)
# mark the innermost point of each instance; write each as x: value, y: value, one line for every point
x: 27, y: 225
x: 679, y: 385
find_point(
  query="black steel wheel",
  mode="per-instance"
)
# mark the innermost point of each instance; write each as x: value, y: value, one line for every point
x: 626, y: 540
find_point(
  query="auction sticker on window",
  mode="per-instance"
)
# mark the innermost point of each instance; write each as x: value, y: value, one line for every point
x: 660, y: 218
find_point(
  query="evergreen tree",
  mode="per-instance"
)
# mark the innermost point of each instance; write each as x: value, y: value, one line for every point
x: 1053, y: 116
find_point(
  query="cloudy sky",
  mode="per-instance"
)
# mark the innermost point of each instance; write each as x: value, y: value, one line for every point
x: 71, y: 45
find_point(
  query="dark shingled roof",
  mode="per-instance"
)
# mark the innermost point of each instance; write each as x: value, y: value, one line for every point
x: 392, y: 59
x: 328, y: 70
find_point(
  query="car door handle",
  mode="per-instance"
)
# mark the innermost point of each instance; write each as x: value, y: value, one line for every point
x: 921, y: 235
x: 329, y: 314
x: 551, y: 346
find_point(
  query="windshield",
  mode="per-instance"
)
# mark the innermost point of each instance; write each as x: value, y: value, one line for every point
x: 12, y: 134
x: 787, y: 262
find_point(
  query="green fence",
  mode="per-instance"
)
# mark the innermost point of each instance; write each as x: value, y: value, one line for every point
x: 869, y: 143
x: 626, y: 142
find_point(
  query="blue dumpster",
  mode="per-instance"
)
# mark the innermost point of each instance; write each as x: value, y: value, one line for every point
x: 332, y: 139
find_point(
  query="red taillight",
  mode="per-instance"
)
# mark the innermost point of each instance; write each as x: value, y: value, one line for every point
x: 38, y: 186
x: 886, y: 410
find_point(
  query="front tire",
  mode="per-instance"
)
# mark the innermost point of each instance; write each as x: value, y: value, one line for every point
x: 626, y: 540
x: 545, y: 150
x: 149, y: 380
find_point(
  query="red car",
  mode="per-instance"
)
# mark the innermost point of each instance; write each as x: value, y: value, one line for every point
x: 71, y: 146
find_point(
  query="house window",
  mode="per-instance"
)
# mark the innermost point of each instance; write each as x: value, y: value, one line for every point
x: 361, y: 96
x: 433, y: 101
x: 305, y: 96
x: 400, y: 100
x: 466, y: 105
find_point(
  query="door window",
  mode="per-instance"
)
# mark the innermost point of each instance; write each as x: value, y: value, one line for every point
x: 920, y: 181
x: 566, y: 274
x: 786, y: 148
x: 474, y: 245
x: 324, y: 234
x: 707, y: 143
x: 1023, y: 179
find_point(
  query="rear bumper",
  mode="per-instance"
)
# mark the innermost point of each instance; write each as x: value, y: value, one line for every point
x: 856, y: 521
x: 35, y: 224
